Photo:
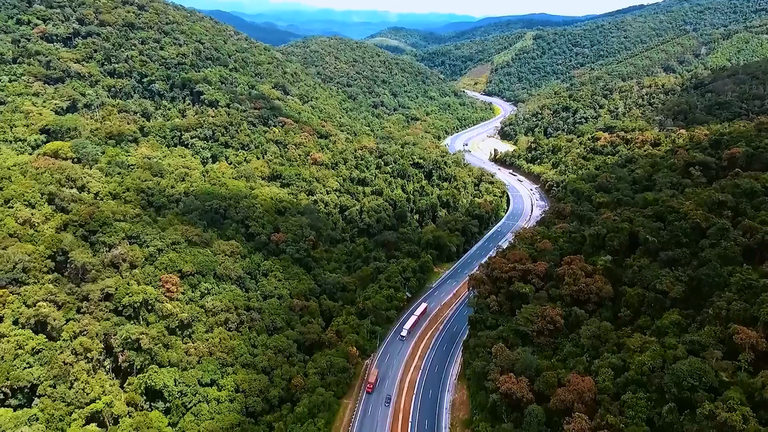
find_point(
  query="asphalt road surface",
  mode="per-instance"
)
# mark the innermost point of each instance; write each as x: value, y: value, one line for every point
x: 525, y: 206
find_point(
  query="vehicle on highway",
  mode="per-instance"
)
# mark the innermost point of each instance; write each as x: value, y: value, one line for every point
x: 373, y: 378
x: 388, y: 400
x: 413, y: 320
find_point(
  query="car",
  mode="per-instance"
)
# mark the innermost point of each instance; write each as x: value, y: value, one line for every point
x: 388, y: 400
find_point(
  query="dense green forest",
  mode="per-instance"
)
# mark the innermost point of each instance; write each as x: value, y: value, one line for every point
x: 640, y: 301
x: 199, y: 233
x: 421, y: 39
x: 560, y: 54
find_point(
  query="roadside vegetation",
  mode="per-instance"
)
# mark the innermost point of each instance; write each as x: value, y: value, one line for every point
x: 640, y: 301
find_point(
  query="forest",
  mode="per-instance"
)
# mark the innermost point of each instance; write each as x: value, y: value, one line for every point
x: 201, y: 233
x: 559, y: 53
x: 640, y: 301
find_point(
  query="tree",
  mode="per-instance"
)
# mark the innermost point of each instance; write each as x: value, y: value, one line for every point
x: 578, y: 395
x: 516, y: 389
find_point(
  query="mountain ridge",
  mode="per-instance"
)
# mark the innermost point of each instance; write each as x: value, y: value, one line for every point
x: 268, y: 33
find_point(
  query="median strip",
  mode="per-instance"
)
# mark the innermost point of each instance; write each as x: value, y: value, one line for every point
x: 406, y: 388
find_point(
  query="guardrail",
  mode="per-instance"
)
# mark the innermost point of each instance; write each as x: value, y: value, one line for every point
x: 360, y: 396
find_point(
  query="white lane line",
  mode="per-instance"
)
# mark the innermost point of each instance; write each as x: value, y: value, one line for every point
x: 430, y: 394
x: 445, y: 346
x: 369, y: 409
x: 387, y: 359
x: 454, y: 328
x: 436, y: 367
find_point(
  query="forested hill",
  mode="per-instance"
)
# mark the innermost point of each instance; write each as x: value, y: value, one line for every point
x: 515, y: 71
x: 198, y: 234
x: 376, y: 80
x: 640, y: 301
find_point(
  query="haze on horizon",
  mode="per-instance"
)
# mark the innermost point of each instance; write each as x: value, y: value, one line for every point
x: 476, y: 8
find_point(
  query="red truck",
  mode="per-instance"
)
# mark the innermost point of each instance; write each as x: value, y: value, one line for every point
x: 373, y: 378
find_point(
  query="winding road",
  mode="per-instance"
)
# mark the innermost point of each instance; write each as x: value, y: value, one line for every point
x: 431, y: 402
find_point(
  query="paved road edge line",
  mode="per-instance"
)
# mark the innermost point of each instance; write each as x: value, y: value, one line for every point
x: 447, y: 402
x: 359, y: 401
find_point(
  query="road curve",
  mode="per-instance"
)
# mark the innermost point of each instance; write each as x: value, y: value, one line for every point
x: 372, y: 415
x: 430, y: 411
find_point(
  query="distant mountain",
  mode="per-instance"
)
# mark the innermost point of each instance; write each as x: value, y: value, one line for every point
x: 244, y: 6
x: 422, y: 39
x: 352, y: 24
x: 268, y: 33
x: 421, y: 20
x: 466, y: 25
x: 498, y: 34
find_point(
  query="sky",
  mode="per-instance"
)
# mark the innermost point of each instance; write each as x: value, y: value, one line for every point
x: 473, y: 7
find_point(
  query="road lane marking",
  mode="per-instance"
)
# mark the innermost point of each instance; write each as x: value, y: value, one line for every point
x: 430, y: 394
x: 369, y: 409
x: 387, y: 359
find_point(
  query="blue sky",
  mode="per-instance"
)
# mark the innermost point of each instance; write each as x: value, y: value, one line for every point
x: 472, y: 7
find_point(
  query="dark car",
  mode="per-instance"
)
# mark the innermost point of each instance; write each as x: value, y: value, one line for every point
x: 387, y: 400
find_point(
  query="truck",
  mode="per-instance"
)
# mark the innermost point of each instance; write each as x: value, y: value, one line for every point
x: 373, y: 378
x: 413, y: 320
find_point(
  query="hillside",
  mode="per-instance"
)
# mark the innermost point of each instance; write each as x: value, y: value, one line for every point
x: 268, y: 34
x: 559, y: 53
x: 556, y: 54
x: 640, y: 300
x: 375, y: 80
x: 200, y: 235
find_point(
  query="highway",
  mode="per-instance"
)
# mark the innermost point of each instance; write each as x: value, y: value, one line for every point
x: 526, y: 204
x: 430, y: 411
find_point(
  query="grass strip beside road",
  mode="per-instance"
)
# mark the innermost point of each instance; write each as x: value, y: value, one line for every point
x: 438, y: 271
x: 401, y: 414
x: 347, y: 409
x: 460, y: 408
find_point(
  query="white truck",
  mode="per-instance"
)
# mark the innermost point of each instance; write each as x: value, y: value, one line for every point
x: 413, y: 320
